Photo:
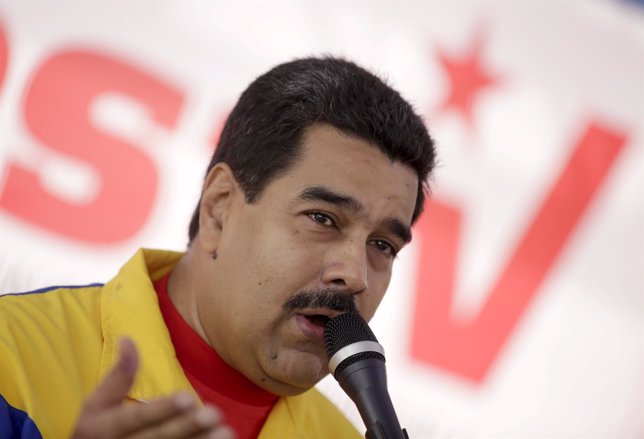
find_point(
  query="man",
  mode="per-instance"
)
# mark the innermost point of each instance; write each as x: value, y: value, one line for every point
x: 318, y: 176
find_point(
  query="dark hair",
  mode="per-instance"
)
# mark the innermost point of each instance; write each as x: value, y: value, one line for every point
x: 261, y: 137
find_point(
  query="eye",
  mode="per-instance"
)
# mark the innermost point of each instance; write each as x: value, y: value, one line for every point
x: 321, y: 218
x: 385, y: 247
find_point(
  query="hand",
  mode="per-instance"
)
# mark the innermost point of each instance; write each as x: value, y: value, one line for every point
x: 106, y: 416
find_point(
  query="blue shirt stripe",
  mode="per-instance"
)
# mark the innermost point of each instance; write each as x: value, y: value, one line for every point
x: 16, y: 424
x: 57, y: 287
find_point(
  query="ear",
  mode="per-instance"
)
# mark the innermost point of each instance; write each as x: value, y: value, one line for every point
x: 220, y: 190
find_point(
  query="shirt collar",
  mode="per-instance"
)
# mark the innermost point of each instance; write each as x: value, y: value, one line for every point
x: 129, y: 308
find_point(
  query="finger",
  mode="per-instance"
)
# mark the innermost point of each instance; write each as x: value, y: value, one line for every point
x: 198, y: 422
x: 222, y: 432
x: 130, y: 419
x: 127, y: 419
x: 118, y: 381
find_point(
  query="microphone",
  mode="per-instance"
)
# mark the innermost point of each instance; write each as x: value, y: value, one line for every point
x: 357, y: 362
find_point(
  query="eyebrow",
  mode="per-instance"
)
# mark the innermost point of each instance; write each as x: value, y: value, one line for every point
x: 320, y: 193
x: 398, y: 229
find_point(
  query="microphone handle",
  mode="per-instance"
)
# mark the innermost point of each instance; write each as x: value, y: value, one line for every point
x: 365, y: 382
x: 376, y: 432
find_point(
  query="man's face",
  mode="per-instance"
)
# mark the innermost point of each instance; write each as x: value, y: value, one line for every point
x: 334, y: 220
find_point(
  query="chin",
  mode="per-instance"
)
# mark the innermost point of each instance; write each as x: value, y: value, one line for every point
x: 295, y: 374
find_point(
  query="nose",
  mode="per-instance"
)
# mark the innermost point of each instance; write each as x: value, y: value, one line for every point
x: 346, y: 267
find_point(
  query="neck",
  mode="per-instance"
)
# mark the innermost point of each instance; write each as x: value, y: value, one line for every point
x: 182, y: 290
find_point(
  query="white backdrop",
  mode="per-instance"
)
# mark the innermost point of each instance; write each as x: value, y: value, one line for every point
x: 517, y: 312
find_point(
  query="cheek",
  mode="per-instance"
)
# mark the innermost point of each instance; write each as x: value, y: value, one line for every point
x: 278, y: 266
x: 288, y: 252
x: 369, y: 302
x: 273, y: 261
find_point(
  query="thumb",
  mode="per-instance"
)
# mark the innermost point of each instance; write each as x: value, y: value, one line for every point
x: 118, y: 381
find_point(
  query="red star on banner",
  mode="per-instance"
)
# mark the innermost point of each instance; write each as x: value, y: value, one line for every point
x: 467, y: 78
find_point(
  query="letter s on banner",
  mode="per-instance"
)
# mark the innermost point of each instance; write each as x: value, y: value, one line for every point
x: 57, y: 112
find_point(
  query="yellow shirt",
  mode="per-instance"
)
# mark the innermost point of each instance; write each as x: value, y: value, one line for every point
x: 56, y: 345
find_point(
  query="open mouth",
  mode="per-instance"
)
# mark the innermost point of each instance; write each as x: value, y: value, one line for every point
x: 318, y: 319
x: 312, y: 326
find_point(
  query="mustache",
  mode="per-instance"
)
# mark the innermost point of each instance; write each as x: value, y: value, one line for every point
x: 331, y: 298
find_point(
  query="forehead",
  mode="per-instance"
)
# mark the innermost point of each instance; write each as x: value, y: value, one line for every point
x: 353, y: 167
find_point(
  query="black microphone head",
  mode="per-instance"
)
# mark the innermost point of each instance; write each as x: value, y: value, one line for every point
x: 347, y: 329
